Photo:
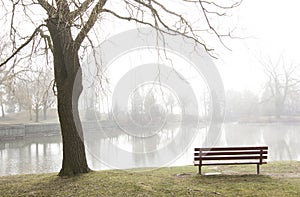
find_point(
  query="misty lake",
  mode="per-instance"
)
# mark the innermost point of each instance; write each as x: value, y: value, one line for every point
x: 170, y: 147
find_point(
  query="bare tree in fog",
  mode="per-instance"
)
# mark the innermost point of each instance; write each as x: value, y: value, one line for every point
x: 5, y: 78
x: 23, y: 95
x: 31, y: 91
x: 282, y: 82
x: 137, y: 107
x: 170, y: 103
x: 206, y: 100
x: 42, y: 97
x: 9, y: 75
x: 145, y: 108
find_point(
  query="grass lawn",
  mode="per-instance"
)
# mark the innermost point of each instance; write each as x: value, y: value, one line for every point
x: 276, y: 179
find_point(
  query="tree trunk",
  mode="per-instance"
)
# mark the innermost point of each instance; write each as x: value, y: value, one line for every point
x: 2, y: 110
x: 45, y: 114
x: 20, y: 107
x: 45, y: 111
x: 66, y: 66
x: 36, y: 113
x: 30, y: 114
x: 74, y: 158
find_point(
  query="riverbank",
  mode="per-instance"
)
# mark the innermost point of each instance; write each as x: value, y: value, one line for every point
x: 276, y: 179
x: 269, y: 119
x: 20, y: 131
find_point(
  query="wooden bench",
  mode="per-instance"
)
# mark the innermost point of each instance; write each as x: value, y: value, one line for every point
x: 230, y: 156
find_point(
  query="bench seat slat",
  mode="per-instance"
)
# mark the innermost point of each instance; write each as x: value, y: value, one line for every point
x: 231, y: 153
x: 233, y: 148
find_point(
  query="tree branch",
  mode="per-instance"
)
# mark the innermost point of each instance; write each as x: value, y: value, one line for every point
x: 81, y: 9
x: 210, y: 26
x: 47, y: 39
x: 49, y: 8
x: 90, y: 22
x: 167, y: 31
x: 22, y: 46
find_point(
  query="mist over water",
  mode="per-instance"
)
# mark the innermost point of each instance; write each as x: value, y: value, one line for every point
x: 44, y: 154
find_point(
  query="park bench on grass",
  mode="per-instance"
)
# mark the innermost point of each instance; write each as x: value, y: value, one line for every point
x: 230, y: 156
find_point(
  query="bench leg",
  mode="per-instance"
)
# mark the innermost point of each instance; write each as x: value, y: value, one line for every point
x: 257, y: 168
x: 199, y: 169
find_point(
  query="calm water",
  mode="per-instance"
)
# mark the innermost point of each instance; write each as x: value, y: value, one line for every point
x: 167, y: 147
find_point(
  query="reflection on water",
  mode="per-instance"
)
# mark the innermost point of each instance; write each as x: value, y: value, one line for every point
x: 30, y: 156
x: 126, y: 151
x: 168, y: 147
x: 283, y: 139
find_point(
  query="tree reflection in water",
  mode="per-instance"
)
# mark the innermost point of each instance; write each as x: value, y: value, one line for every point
x: 43, y: 154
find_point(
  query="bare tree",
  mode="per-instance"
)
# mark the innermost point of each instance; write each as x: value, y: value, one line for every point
x: 5, y: 77
x: 282, y: 79
x: 8, y: 75
x: 48, y: 99
x: 67, y: 24
x: 23, y: 95
x: 42, y: 98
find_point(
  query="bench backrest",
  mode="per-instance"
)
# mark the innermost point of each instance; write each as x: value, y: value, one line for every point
x: 253, y: 154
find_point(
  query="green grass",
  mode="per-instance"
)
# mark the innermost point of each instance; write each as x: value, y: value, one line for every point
x: 276, y: 179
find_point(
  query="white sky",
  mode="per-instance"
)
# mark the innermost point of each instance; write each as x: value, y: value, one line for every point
x: 270, y: 28
x: 273, y: 30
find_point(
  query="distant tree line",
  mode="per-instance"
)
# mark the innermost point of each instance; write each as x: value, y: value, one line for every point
x: 278, y: 98
x: 26, y: 87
